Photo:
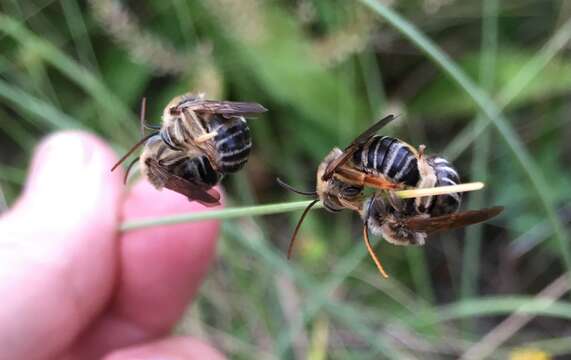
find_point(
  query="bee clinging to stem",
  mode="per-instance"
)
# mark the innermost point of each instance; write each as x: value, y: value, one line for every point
x: 386, y: 214
x: 390, y: 166
x: 198, y: 142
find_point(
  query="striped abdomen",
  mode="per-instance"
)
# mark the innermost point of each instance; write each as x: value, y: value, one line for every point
x: 233, y: 142
x: 445, y: 175
x: 390, y: 157
x: 197, y: 170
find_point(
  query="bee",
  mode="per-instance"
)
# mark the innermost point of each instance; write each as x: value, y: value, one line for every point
x: 388, y: 164
x: 198, y: 143
x: 387, y: 215
x: 398, y: 163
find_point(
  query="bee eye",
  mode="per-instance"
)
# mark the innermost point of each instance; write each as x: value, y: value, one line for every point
x: 351, y: 191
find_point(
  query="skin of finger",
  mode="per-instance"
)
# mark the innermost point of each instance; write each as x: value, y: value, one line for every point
x: 58, y: 247
x: 161, y: 270
x: 174, y: 348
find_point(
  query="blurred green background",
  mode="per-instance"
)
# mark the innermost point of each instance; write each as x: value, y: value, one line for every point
x: 327, y: 69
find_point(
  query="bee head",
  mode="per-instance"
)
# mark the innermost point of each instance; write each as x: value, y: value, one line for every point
x: 335, y: 195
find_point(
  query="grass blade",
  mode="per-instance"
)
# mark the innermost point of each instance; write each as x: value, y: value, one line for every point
x: 491, y: 111
x: 37, y: 108
x: 510, y: 92
x: 471, y: 252
x: 113, y: 107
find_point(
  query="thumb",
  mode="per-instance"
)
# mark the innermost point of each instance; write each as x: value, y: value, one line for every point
x: 57, y: 246
x: 68, y: 179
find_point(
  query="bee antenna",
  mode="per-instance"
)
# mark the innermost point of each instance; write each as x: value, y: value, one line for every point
x: 292, y: 189
x: 144, y: 124
x: 133, y: 148
x: 290, y: 247
x: 129, y: 169
x: 142, y: 115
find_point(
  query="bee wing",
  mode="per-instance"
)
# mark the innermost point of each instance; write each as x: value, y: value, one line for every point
x: 207, y: 198
x: 175, y: 183
x: 452, y: 221
x: 359, y: 140
x: 227, y: 108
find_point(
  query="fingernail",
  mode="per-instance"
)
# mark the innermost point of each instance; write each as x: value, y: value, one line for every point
x: 58, y: 162
x: 71, y: 170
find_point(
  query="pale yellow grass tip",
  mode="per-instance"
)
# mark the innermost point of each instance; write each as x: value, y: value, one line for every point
x: 441, y: 190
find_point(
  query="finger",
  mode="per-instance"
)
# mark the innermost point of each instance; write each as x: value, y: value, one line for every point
x: 170, y: 260
x: 57, y: 247
x: 161, y: 269
x: 174, y: 348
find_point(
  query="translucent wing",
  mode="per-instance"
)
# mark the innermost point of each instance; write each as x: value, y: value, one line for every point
x: 359, y: 140
x: 227, y: 108
x: 175, y: 183
x: 452, y: 221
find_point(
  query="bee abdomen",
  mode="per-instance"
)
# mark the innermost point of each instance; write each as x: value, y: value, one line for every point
x: 233, y: 143
x: 445, y: 175
x: 198, y: 170
x: 389, y: 157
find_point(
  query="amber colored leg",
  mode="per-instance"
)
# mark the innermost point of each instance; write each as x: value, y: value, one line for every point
x: 371, y: 252
x: 360, y: 178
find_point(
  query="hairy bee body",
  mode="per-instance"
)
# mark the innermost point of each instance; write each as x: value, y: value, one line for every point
x: 384, y: 219
x: 198, y: 142
x: 336, y: 195
x: 388, y: 164
x: 194, y: 167
x: 389, y: 157
x: 400, y: 163
x: 233, y: 142
x: 198, y: 170
x: 445, y: 175
x: 227, y: 151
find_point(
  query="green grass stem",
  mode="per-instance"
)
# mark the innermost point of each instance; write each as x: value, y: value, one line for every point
x: 222, y: 214
x: 258, y: 210
x: 471, y: 252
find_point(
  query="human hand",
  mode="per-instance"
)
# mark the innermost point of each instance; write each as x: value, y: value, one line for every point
x: 72, y: 286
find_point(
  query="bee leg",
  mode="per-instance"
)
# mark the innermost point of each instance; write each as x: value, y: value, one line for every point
x: 356, y: 177
x: 196, y: 126
x: 205, y: 137
x: 370, y: 249
x: 396, y: 202
x: 427, y: 180
x: 421, y: 149
x: 351, y: 205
